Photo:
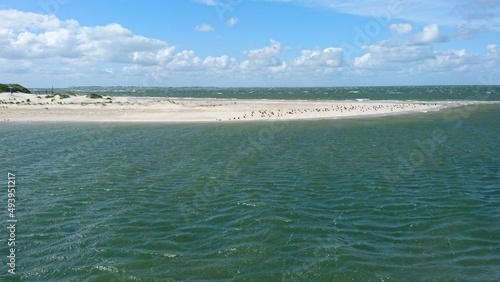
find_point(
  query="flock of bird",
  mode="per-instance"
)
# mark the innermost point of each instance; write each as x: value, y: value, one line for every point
x: 337, y: 108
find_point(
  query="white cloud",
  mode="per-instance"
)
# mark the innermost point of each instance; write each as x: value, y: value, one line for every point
x: 222, y: 62
x: 204, y: 28
x: 310, y: 62
x: 448, y: 61
x: 400, y: 28
x: 113, y: 43
x: 232, y: 21
x: 492, y: 60
x: 264, y: 60
x: 68, y: 41
x: 266, y: 52
x: 24, y: 21
x: 399, y: 51
x: 417, y: 56
x: 430, y: 34
x: 185, y: 60
x: 164, y: 55
x: 329, y: 57
x: 282, y: 67
x: 392, y: 57
x: 399, y: 54
x: 493, y: 51
x: 145, y: 58
x: 366, y: 61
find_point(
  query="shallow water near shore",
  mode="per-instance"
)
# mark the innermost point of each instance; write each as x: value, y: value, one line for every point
x: 412, y: 197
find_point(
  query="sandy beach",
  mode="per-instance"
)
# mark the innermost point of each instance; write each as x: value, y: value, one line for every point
x: 83, y: 108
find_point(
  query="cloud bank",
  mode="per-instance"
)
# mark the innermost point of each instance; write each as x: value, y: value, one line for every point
x: 41, y: 48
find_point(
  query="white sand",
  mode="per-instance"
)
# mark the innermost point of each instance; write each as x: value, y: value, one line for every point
x: 29, y: 107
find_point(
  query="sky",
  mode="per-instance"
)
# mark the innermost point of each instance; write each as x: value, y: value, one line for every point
x: 249, y: 43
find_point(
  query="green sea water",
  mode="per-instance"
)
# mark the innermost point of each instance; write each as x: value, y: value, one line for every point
x: 422, y: 93
x: 398, y: 198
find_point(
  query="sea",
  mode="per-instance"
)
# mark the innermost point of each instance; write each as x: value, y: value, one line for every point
x: 413, y: 197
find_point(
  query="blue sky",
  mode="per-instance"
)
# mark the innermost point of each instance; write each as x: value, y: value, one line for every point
x: 256, y: 43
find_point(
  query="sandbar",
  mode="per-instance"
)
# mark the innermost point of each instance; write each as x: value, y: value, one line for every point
x: 85, y: 108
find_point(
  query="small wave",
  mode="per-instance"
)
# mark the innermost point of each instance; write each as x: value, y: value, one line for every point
x: 247, y: 204
x: 107, y: 268
x: 170, y: 255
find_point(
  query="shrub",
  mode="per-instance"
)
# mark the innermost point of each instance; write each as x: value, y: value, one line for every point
x: 94, y: 96
x: 63, y: 96
x: 15, y: 87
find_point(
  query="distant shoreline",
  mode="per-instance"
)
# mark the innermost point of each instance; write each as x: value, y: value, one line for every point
x: 102, y: 108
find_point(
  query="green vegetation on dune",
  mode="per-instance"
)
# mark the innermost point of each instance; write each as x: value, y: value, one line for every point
x: 94, y: 96
x: 15, y: 87
x: 64, y: 95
